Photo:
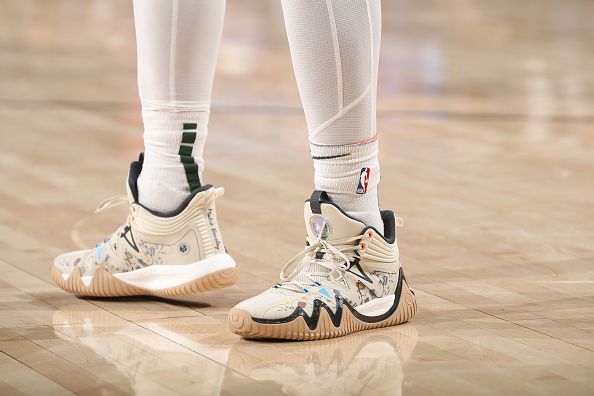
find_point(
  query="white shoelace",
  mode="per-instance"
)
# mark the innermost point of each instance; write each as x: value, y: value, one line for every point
x: 336, y: 258
x: 111, y: 202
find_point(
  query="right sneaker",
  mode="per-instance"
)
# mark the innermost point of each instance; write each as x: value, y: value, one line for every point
x: 159, y: 254
x: 347, y: 279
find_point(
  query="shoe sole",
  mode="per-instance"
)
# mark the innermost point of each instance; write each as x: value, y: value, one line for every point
x: 104, y: 284
x: 241, y: 322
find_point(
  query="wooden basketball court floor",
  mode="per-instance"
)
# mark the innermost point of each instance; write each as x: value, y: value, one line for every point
x: 487, y: 136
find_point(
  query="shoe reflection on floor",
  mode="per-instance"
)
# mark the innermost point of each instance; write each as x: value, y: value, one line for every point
x: 203, y: 356
x: 369, y: 361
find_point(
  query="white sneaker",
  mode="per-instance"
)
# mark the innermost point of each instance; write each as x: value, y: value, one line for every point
x: 348, y: 278
x: 162, y: 254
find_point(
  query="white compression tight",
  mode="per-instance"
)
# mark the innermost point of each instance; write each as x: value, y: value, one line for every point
x: 177, y: 45
x: 335, y: 52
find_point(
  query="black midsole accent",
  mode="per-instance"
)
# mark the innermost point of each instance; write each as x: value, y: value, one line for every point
x: 336, y: 318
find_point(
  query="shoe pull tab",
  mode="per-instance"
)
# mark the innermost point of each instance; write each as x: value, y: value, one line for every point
x: 315, y: 202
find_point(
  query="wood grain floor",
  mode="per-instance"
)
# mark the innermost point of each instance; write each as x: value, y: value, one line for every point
x: 487, y: 152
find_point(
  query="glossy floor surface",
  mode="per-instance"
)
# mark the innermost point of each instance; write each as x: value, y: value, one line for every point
x: 486, y: 112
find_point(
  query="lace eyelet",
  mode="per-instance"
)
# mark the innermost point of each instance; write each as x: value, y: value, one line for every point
x: 370, y: 234
x: 362, y: 246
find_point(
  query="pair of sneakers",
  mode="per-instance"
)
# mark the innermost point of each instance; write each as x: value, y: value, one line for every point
x: 348, y: 278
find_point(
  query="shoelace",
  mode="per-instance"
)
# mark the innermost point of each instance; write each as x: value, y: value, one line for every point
x: 331, y: 249
x: 334, y: 259
x: 111, y: 202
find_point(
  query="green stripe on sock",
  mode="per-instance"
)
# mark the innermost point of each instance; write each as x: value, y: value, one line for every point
x: 191, y: 171
x: 185, y: 150
x: 194, y: 185
x: 185, y: 155
x: 186, y: 159
x: 192, y: 176
x: 188, y: 137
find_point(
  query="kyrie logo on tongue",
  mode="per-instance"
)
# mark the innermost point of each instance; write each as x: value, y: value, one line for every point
x: 363, y: 180
x: 320, y: 226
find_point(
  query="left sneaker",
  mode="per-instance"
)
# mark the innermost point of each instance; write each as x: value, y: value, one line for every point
x: 347, y: 279
x: 158, y: 254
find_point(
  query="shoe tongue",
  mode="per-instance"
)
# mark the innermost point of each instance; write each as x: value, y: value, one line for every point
x: 323, y: 216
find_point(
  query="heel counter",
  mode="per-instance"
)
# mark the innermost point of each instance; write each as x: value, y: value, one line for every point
x: 211, y: 239
x: 215, y: 231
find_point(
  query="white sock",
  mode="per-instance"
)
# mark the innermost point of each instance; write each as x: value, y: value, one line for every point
x: 350, y: 174
x: 177, y: 45
x: 173, y: 161
x: 335, y: 52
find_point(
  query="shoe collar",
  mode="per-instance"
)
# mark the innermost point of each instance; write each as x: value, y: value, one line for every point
x: 322, y: 215
x: 132, y: 190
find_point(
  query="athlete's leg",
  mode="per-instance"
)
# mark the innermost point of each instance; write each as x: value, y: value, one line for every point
x: 348, y: 277
x: 178, y: 42
x: 335, y: 51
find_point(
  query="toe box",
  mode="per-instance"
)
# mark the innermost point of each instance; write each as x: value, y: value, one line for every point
x: 67, y: 262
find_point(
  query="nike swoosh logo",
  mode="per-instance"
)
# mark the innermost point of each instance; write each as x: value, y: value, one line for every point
x: 355, y: 269
x: 128, y: 231
x: 330, y: 156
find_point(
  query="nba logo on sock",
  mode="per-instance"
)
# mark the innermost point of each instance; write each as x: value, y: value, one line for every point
x: 363, y: 180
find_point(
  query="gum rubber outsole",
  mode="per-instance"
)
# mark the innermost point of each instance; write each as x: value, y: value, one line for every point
x: 241, y: 322
x: 105, y: 284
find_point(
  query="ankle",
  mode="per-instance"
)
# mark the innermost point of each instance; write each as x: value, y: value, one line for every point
x: 161, y: 197
x: 173, y: 162
x: 350, y: 174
